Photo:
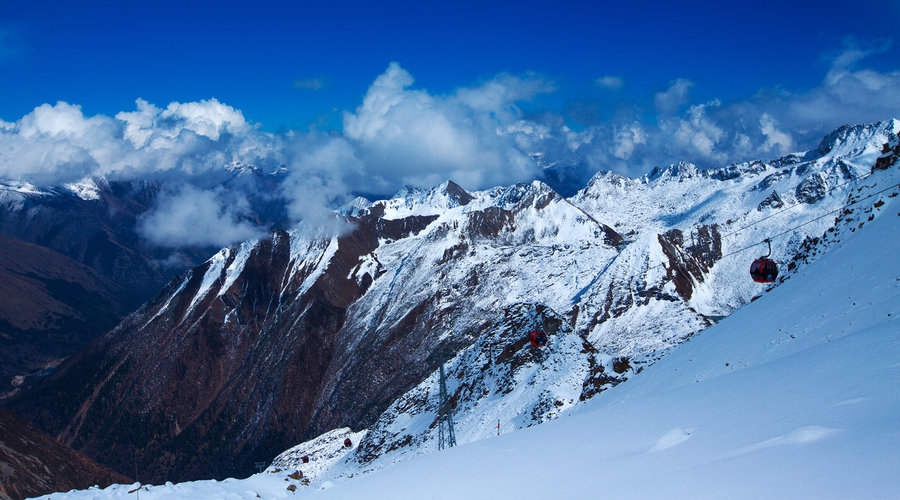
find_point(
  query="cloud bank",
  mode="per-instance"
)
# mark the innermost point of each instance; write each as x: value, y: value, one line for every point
x: 399, y: 135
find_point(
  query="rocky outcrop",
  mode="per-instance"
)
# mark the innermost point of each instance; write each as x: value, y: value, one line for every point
x: 689, y: 263
x: 771, y: 201
x: 489, y: 223
x: 811, y: 189
x: 890, y: 154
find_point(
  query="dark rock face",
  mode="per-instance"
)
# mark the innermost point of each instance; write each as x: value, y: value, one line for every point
x: 51, y: 307
x: 393, y: 229
x: 812, y: 189
x: 35, y: 464
x: 459, y: 194
x: 890, y: 154
x: 488, y: 223
x: 690, y: 263
x: 205, y: 383
x: 771, y: 201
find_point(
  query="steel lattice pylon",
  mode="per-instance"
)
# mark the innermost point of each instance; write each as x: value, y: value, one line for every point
x: 445, y: 415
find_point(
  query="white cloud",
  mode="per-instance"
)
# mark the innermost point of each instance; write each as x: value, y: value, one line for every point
x: 776, y: 140
x: 194, y: 217
x: 627, y: 138
x: 697, y: 133
x: 501, y: 93
x: 674, y: 97
x: 318, y: 177
x: 208, y: 118
x: 408, y: 136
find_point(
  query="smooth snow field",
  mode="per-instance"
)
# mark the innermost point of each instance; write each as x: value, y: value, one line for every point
x: 795, y: 395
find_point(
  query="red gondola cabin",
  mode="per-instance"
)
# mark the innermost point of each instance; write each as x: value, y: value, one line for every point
x: 538, y: 339
x: 348, y: 443
x: 763, y: 271
x: 305, y: 459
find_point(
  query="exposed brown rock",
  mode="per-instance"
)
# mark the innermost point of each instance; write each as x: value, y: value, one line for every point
x: 890, y: 154
x: 688, y: 264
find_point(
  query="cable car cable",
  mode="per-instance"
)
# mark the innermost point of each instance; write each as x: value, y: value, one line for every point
x: 844, y: 207
x: 793, y: 206
x: 812, y: 220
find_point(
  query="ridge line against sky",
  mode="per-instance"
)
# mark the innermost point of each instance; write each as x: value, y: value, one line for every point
x: 363, y: 98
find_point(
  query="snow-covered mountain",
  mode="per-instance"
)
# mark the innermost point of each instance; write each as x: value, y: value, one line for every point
x: 793, y: 395
x: 288, y: 337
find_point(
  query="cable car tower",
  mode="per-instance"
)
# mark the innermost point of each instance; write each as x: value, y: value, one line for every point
x: 445, y: 414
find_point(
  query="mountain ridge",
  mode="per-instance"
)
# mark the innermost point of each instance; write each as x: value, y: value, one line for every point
x: 328, y: 332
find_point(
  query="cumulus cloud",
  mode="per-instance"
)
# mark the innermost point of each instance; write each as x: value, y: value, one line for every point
x: 670, y: 100
x: 776, y: 140
x: 626, y: 139
x: 409, y: 136
x: 319, y: 178
x: 193, y: 217
x: 57, y: 143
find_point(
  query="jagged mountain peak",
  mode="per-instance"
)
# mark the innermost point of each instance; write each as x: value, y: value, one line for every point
x: 355, y: 207
x: 525, y: 194
x: 853, y: 140
x: 421, y: 201
x: 456, y: 192
x: 681, y: 170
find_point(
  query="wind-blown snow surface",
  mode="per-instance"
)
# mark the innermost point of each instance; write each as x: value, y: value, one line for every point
x: 793, y: 395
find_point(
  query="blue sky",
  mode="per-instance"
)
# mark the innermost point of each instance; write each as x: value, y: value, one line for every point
x: 290, y: 65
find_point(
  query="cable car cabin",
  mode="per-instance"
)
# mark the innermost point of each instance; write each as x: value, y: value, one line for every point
x: 538, y: 339
x: 763, y: 271
x: 305, y: 459
x: 348, y: 443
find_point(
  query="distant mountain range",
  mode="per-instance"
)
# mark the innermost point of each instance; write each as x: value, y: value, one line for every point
x: 275, y: 341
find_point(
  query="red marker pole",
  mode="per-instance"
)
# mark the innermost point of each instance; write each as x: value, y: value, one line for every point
x: 498, y: 427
